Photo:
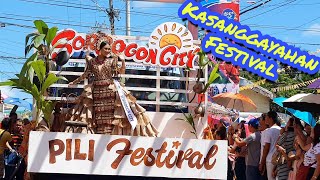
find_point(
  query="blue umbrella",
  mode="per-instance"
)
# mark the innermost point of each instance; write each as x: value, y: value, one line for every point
x: 18, y: 102
x: 304, y: 116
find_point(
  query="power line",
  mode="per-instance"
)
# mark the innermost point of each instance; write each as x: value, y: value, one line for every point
x: 251, y: 25
x: 251, y: 5
x: 282, y: 5
x: 93, y: 9
x: 261, y: 4
x: 304, y: 43
x: 12, y: 57
x: 283, y: 27
x: 301, y: 25
x: 65, y: 24
x: 61, y: 20
x: 311, y: 4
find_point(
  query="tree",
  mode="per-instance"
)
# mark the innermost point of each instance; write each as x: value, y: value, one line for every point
x: 34, y: 65
x: 287, y: 76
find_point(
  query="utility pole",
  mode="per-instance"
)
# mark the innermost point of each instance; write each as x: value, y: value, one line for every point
x: 112, y: 13
x: 111, y: 16
x: 128, y: 17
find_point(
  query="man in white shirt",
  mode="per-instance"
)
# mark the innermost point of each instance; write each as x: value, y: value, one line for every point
x: 270, y: 139
x: 263, y: 128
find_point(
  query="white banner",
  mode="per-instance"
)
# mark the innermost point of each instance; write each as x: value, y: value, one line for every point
x: 73, y: 153
x: 126, y: 106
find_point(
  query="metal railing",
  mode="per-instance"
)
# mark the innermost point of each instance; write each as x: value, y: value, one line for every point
x: 155, y: 89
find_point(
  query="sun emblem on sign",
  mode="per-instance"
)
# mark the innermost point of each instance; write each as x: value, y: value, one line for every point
x: 171, y: 34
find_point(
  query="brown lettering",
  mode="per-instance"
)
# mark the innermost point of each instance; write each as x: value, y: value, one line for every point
x: 68, y: 149
x: 183, y: 156
x: 54, y: 153
x: 149, y: 154
x: 137, y: 154
x: 197, y: 163
x: 122, y: 153
x: 160, y: 151
x: 211, y: 153
x: 168, y: 158
x: 77, y: 154
x: 91, y: 150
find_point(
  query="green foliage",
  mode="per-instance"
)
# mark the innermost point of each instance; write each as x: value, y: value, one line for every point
x: 286, y: 78
x: 188, y: 118
x: 203, y: 62
x: 34, y: 66
x: 42, y: 38
x: 213, y: 76
x: 50, y: 35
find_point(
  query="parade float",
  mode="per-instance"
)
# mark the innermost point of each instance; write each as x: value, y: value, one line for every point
x: 62, y: 139
x: 155, y: 72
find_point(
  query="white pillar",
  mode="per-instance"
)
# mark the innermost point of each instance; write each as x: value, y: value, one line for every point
x: 128, y: 17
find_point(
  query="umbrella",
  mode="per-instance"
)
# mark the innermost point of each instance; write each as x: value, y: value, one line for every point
x: 315, y: 85
x: 4, y: 96
x: 304, y: 116
x: 18, y: 102
x: 235, y: 101
x: 304, y: 102
x: 218, y: 109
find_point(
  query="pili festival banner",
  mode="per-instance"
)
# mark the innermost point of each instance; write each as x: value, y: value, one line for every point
x: 74, y: 153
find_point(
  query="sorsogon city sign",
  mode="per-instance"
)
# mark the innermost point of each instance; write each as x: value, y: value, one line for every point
x: 170, y: 45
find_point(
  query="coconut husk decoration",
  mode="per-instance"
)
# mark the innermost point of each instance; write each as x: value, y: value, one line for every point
x: 62, y: 58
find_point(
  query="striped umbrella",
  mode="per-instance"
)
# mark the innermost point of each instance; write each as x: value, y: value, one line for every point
x: 237, y: 101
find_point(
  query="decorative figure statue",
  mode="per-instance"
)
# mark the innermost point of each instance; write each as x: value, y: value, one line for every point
x: 100, y: 105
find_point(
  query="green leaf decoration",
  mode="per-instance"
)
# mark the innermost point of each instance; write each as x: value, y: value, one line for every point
x: 201, y: 57
x: 50, y: 35
x: 25, y: 67
x: 213, y: 76
x: 51, y: 79
x: 41, y: 26
x: 28, y: 49
x: 32, y: 66
x: 7, y: 83
x: 47, y: 109
x: 188, y: 118
x: 39, y: 68
x: 35, y: 92
x: 29, y: 36
x: 37, y: 40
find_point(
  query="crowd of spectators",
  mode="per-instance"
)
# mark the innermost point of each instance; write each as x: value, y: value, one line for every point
x: 263, y: 149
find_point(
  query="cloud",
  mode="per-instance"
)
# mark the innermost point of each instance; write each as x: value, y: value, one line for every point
x: 144, y: 4
x: 313, y: 30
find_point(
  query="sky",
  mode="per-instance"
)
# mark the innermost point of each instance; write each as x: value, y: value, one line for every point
x: 293, y: 21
